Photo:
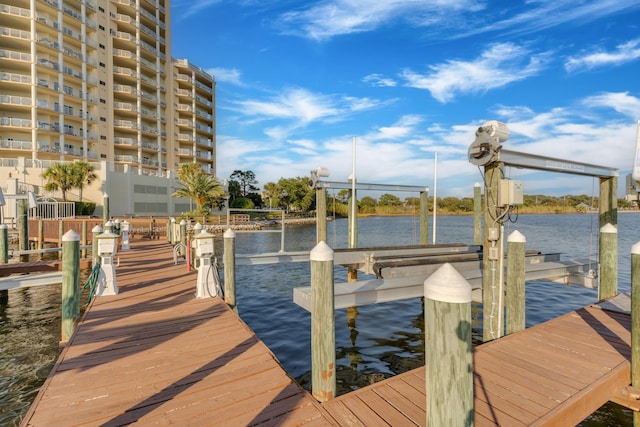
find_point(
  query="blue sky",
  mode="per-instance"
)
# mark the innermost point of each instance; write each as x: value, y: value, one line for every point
x: 298, y: 80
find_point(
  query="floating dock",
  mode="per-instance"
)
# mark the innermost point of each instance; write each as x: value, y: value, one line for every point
x: 154, y: 354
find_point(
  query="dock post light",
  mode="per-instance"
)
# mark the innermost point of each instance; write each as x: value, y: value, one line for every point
x: 207, y: 286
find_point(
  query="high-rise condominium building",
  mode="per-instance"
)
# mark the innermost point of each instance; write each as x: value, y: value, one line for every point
x: 94, y: 80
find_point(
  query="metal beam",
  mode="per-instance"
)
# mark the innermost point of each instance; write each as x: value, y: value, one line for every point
x: 374, y: 187
x: 542, y: 163
x: 365, y: 292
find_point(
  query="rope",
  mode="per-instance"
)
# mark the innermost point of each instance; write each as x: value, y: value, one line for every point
x: 91, y: 281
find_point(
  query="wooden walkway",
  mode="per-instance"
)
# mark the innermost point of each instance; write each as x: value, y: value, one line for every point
x: 554, y: 374
x: 154, y: 354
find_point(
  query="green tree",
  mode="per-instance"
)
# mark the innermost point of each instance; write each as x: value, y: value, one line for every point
x: 270, y: 192
x: 296, y: 194
x: 59, y: 177
x: 83, y: 174
x: 368, y: 204
x: 202, y: 188
x: 247, y: 181
x: 389, y: 200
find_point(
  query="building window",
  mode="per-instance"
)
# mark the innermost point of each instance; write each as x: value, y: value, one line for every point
x: 101, y: 27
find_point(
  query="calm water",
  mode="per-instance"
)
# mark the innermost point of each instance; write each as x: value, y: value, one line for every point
x: 372, y: 342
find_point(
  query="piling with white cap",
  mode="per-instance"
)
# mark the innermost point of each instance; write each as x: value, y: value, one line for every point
x: 515, y: 292
x: 608, y: 286
x: 323, y: 328
x: 448, y: 356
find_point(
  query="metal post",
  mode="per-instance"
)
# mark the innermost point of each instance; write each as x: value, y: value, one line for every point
x: 448, y: 350
x: 321, y: 215
x: 477, y: 214
x: 323, y: 336
x: 229, y: 261
x: 70, y: 283
x: 515, y: 297
x: 608, y: 286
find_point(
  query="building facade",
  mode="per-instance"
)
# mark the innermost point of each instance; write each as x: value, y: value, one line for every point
x: 95, y: 81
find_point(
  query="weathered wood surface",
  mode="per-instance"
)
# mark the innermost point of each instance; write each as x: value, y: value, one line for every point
x: 556, y: 373
x: 154, y: 354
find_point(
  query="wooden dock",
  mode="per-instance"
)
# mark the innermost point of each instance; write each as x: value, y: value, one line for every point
x: 154, y: 354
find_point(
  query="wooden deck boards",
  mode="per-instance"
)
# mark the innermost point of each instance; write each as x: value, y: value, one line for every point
x: 154, y: 354
x: 556, y: 373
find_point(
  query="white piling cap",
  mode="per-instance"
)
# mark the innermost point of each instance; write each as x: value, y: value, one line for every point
x: 447, y: 285
x: 516, y: 237
x: 3, y: 225
x: 96, y: 229
x: 608, y: 228
x: 635, y: 249
x: 229, y: 234
x: 71, y: 236
x: 477, y: 184
x: 321, y: 252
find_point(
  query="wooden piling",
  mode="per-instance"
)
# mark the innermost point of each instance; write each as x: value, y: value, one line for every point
x: 183, y: 238
x: 424, y: 217
x: 70, y: 283
x: 515, y: 294
x: 635, y: 323
x: 448, y: 350
x: 321, y: 215
x: 105, y: 209
x: 477, y: 214
x: 608, y: 199
x: 4, y: 243
x: 608, y: 286
x: 83, y: 238
x: 323, y: 336
x: 23, y: 229
x: 229, y: 262
x: 490, y: 277
x: 95, y: 258
x: 40, y: 244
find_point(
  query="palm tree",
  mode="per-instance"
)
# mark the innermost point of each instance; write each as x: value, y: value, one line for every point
x: 201, y: 188
x: 59, y: 177
x: 83, y: 173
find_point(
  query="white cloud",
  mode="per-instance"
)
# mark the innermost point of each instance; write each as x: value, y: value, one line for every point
x: 498, y: 66
x: 621, y: 102
x: 626, y: 52
x: 379, y: 80
x: 226, y: 75
x: 338, y: 17
x: 298, y: 107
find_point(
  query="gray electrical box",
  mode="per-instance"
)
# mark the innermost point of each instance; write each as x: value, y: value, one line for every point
x: 511, y: 193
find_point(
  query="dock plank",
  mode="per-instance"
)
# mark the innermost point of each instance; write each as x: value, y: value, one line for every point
x: 155, y: 354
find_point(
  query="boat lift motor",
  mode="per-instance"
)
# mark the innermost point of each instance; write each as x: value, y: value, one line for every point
x: 107, y: 248
x: 207, y: 285
x: 488, y: 142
